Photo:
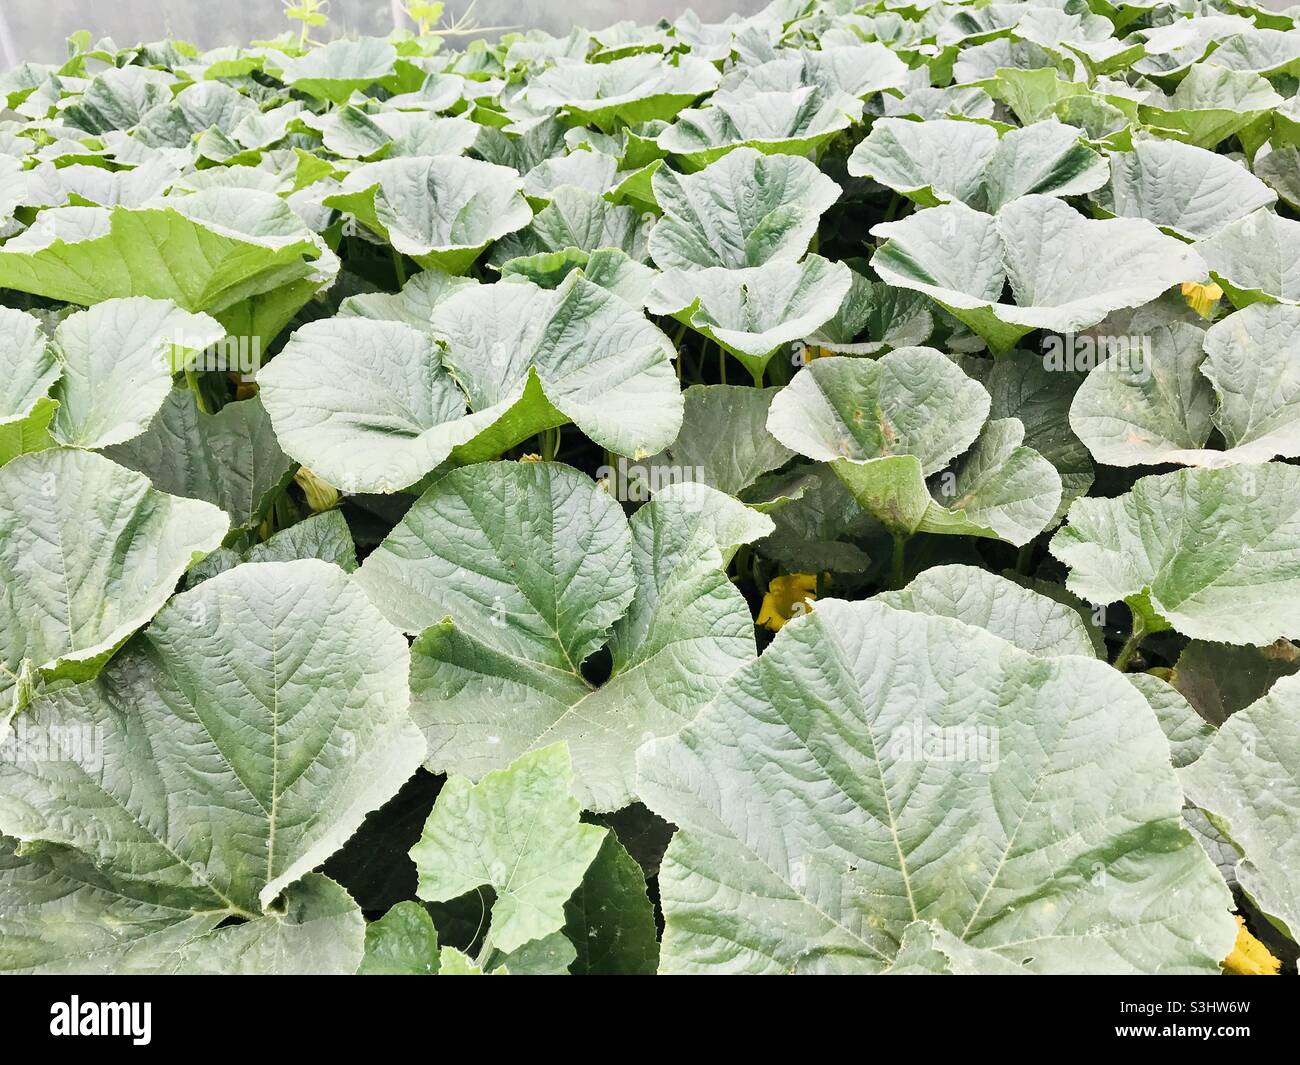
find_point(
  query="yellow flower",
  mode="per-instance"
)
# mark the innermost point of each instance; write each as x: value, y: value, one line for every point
x: 1249, y: 956
x: 320, y: 495
x: 532, y: 456
x: 1202, y: 298
x: 787, y: 597
x: 813, y: 351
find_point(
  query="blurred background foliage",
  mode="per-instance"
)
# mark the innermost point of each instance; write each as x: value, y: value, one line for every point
x: 35, y: 29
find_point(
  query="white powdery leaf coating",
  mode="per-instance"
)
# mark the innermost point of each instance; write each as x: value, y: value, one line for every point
x: 1249, y: 780
x: 940, y: 160
x: 1258, y: 255
x: 271, y: 699
x: 206, y: 252
x: 751, y: 312
x: 532, y: 358
x: 518, y: 831
x: 341, y: 67
x: 1149, y: 404
x: 743, y: 210
x: 497, y: 672
x: 442, y: 210
x: 639, y: 88
x: 813, y: 828
x: 1187, y: 190
x: 30, y: 366
x: 366, y: 404
x: 88, y: 553
x: 1252, y: 358
x: 1017, y: 614
x: 231, y: 458
x: 117, y: 360
x: 1067, y: 272
x: 1214, y: 552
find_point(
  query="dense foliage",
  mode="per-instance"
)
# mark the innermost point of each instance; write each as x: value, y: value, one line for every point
x: 810, y: 493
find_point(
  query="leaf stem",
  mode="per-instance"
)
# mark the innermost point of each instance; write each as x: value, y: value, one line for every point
x: 1134, y: 641
x: 896, y: 561
x: 551, y: 444
x: 192, y: 379
x: 1025, y: 558
x: 400, y: 268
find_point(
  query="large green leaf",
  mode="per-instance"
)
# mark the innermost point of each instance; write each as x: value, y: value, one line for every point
x: 118, y: 98
x: 230, y: 458
x: 441, y: 211
x: 859, y: 70
x: 273, y: 697
x: 1256, y: 258
x: 366, y: 404
x: 61, y: 915
x: 516, y: 831
x: 516, y: 573
x: 1146, y: 402
x: 1025, y: 387
x: 30, y: 365
x: 352, y: 133
x: 623, y: 91
x: 877, y: 766
x: 610, y: 920
x: 401, y: 943
x: 1210, y: 104
x: 576, y: 219
x: 1158, y: 404
x: 52, y: 186
x: 887, y: 425
x: 934, y: 162
x: 412, y: 306
x: 1066, y: 272
x: 724, y: 441
x: 882, y: 315
x: 325, y: 536
x: 116, y: 361
x: 743, y: 210
x: 1187, y: 191
x: 89, y: 552
x: 1017, y: 614
x: 753, y: 312
x: 337, y: 70
x: 1187, y: 732
x: 1248, y: 780
x: 1214, y: 553
x: 798, y: 122
x: 529, y: 358
x: 212, y: 251
x: 1252, y: 358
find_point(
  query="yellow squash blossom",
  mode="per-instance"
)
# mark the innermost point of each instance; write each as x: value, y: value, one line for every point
x: 1202, y: 298
x: 320, y: 495
x: 787, y: 597
x: 1249, y: 956
x: 808, y: 352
